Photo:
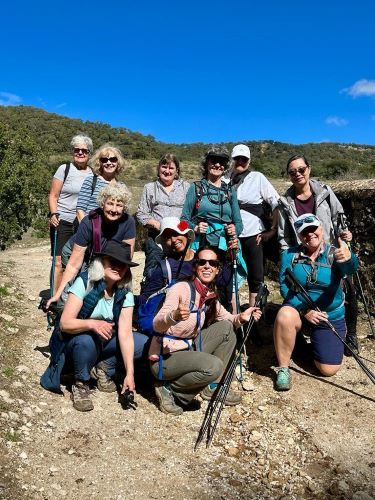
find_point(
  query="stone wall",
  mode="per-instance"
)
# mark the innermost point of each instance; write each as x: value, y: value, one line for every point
x: 358, y: 200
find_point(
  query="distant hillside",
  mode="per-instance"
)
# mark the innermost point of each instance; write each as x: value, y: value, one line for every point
x: 53, y: 133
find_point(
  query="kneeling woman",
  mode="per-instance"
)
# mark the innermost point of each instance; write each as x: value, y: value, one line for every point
x: 98, y: 310
x: 196, y: 340
x: 319, y: 268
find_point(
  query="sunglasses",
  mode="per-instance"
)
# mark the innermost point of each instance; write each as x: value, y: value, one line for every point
x: 84, y: 151
x: 211, y: 262
x: 300, y: 170
x: 106, y: 159
x: 218, y: 159
x: 241, y: 159
x: 307, y: 220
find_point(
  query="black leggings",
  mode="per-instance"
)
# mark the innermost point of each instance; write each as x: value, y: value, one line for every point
x: 351, y: 305
x: 253, y: 255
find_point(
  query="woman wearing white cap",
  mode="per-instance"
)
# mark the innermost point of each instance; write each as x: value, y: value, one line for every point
x: 319, y: 268
x: 253, y: 189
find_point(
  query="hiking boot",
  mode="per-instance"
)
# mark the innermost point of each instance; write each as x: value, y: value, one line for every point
x: 81, y: 396
x: 352, y: 341
x: 104, y: 382
x: 167, y: 404
x: 232, y: 398
x: 283, y: 380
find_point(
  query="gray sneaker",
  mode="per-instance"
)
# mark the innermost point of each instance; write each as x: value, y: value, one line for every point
x: 81, y: 397
x: 166, y: 400
x: 104, y: 382
x: 232, y: 399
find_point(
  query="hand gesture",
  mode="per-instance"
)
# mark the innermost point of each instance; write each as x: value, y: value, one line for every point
x: 182, y: 313
x: 255, y: 312
x: 232, y: 244
x: 315, y: 317
x: 202, y: 228
x: 54, y: 220
x: 102, y: 328
x: 128, y: 383
x: 53, y: 299
x: 342, y: 254
x: 230, y: 229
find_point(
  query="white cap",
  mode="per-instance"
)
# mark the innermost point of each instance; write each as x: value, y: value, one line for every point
x: 177, y: 225
x: 241, y: 150
x: 304, y: 221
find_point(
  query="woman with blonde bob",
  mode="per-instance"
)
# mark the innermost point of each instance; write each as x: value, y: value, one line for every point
x: 106, y: 164
x: 99, y: 310
x: 109, y: 222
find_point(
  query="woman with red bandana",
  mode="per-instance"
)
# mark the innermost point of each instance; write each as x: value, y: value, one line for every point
x: 195, y: 338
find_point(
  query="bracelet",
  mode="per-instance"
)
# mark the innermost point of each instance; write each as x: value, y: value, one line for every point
x: 51, y: 214
x: 171, y: 318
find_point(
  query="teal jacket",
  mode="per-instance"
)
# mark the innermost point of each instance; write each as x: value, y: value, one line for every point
x: 321, y: 279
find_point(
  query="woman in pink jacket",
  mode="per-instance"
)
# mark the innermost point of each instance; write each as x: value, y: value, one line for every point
x: 194, y: 338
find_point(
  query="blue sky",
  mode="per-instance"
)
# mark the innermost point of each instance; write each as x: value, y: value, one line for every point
x: 187, y: 71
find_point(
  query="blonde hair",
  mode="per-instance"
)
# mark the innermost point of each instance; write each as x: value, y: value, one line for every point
x: 117, y: 191
x: 107, y: 150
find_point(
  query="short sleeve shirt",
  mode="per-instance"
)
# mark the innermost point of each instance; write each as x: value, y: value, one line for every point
x: 67, y: 202
x: 125, y: 230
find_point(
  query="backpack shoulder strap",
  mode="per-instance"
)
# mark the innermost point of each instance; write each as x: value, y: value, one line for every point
x: 96, y: 224
x: 198, y: 193
x: 94, y: 182
x: 66, y: 172
x: 192, y: 295
x: 167, y: 271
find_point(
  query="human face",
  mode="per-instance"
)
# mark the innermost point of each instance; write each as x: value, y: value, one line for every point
x: 299, y: 172
x: 312, y: 238
x: 114, y: 270
x: 216, y: 166
x: 108, y: 164
x: 174, y: 242
x: 240, y: 164
x: 112, y: 209
x: 167, y: 173
x: 81, y: 156
x: 206, y: 272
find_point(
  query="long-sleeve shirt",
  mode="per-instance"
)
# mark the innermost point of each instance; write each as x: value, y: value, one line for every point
x: 157, y: 203
x: 321, y: 279
x: 188, y: 329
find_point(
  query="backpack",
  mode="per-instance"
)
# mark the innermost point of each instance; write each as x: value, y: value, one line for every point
x: 94, y: 179
x: 199, y: 193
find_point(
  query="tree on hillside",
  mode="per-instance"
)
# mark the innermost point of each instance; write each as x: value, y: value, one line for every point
x: 23, y: 184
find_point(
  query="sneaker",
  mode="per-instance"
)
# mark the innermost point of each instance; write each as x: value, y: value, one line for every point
x: 81, y: 397
x: 104, y: 382
x: 283, y: 379
x: 232, y: 398
x: 352, y: 341
x: 167, y: 404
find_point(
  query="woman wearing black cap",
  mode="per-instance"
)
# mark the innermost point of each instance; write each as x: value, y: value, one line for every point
x: 99, y: 308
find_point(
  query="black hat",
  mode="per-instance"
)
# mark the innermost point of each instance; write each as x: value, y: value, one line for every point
x: 118, y: 251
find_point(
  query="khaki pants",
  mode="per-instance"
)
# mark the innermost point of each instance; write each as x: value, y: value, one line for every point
x: 190, y: 371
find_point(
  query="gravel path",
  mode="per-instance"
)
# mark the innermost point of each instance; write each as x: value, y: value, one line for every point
x: 315, y: 441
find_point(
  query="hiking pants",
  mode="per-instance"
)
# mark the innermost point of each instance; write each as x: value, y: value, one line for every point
x: 351, y: 306
x: 191, y: 371
x: 85, y: 350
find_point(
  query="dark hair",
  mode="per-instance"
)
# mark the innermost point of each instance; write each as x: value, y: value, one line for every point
x: 166, y: 160
x: 211, y: 304
x: 297, y: 157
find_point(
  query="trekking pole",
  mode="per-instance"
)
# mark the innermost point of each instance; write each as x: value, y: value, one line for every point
x: 52, y: 280
x: 298, y: 288
x: 344, y: 226
x: 238, y: 310
x: 216, y: 405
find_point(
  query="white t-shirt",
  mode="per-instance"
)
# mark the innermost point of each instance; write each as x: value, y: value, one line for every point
x: 67, y: 202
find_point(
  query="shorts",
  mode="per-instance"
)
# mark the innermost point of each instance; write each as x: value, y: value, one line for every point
x: 327, y: 348
x: 65, y: 230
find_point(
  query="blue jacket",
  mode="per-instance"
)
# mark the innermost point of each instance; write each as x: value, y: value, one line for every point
x: 321, y: 279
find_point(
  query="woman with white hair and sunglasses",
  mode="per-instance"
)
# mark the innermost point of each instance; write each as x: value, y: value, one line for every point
x: 319, y: 268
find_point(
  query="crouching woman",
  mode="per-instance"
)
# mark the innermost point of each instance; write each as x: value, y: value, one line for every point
x: 196, y: 338
x: 97, y: 315
x: 319, y: 268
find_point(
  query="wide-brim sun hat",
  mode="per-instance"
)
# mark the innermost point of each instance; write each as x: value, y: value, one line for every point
x: 241, y: 150
x: 177, y: 225
x: 119, y: 251
x: 304, y: 221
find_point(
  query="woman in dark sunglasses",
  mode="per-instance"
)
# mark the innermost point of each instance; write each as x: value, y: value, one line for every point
x: 106, y: 164
x: 62, y: 199
x: 195, y: 340
x: 308, y: 195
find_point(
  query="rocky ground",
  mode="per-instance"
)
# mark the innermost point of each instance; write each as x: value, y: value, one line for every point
x: 315, y: 441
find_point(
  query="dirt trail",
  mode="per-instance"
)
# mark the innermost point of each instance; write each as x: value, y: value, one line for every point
x: 315, y: 441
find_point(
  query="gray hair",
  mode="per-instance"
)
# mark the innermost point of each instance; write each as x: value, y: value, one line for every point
x: 96, y: 273
x: 82, y: 139
x: 117, y: 191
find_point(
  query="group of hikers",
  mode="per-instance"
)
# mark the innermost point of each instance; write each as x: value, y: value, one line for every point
x: 203, y: 241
